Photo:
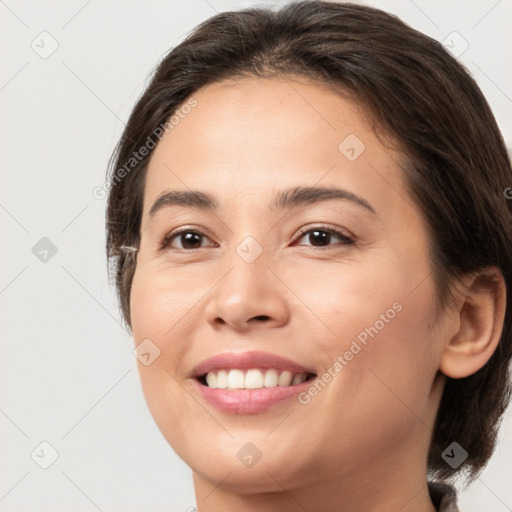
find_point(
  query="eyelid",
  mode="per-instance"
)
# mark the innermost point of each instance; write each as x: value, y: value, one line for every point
x: 325, y: 227
x: 337, y: 231
x: 166, y: 240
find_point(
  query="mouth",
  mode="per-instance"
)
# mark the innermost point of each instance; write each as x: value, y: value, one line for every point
x: 250, y: 382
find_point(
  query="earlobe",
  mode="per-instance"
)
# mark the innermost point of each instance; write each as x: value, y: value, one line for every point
x: 481, y: 315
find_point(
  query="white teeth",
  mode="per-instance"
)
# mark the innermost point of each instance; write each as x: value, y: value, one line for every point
x: 270, y: 379
x: 285, y: 379
x: 252, y: 379
x: 297, y: 379
x: 222, y: 379
x: 236, y: 379
x: 211, y: 380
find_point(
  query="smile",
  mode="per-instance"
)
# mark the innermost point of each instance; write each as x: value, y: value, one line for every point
x: 249, y: 382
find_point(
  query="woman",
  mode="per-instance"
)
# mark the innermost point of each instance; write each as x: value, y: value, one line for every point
x: 310, y: 234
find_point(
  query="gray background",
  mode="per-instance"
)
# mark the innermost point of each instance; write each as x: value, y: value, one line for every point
x: 68, y: 375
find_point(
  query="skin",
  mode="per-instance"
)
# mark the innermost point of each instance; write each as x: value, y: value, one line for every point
x: 361, y: 443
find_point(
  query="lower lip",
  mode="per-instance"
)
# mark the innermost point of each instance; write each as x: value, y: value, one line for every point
x: 248, y: 401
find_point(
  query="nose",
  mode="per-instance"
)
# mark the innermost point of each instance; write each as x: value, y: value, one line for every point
x: 249, y: 296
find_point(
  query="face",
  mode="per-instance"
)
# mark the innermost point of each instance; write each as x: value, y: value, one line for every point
x: 276, y: 280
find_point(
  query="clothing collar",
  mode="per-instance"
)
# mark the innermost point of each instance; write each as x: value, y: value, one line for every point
x: 443, y: 496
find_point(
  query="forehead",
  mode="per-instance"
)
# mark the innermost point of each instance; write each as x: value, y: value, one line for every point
x: 250, y: 135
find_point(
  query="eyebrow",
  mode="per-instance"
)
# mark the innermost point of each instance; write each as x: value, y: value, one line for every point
x: 284, y: 199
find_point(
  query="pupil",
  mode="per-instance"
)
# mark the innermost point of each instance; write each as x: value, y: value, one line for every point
x: 191, y: 238
x: 320, y: 236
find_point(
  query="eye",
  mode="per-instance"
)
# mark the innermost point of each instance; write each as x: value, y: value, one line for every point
x: 188, y: 239
x: 322, y: 236
x: 319, y: 237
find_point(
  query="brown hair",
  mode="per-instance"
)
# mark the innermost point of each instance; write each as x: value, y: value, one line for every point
x: 456, y: 169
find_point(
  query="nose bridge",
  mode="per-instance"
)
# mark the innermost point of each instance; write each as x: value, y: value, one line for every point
x: 248, y: 275
x: 247, y: 239
x: 248, y: 289
x: 250, y: 250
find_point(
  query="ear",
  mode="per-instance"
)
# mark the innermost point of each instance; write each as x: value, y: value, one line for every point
x: 480, y: 315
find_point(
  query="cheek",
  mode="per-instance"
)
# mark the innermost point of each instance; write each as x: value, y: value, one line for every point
x: 156, y: 307
x: 381, y: 356
x: 159, y: 313
x: 162, y: 302
x: 388, y: 372
x: 352, y: 300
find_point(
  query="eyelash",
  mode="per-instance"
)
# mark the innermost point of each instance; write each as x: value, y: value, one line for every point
x: 333, y: 231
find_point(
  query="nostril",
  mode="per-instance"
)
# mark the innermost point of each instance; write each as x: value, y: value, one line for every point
x: 262, y: 317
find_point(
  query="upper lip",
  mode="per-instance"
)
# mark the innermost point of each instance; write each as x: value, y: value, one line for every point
x: 247, y: 360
